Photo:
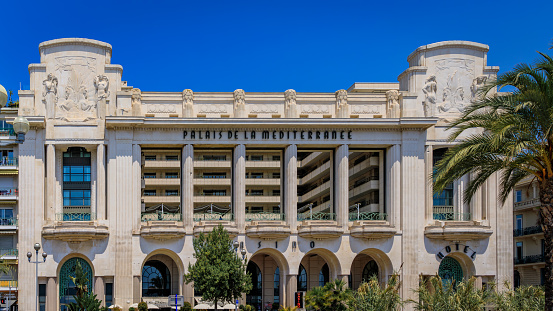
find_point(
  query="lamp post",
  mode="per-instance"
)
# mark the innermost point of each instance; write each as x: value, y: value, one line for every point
x: 235, y: 245
x: 36, y: 262
x: 21, y: 127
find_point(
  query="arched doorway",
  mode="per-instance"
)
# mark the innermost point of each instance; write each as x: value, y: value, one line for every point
x: 317, y: 268
x: 276, y: 286
x: 369, y: 263
x: 67, y: 288
x: 370, y: 270
x: 450, y: 270
x: 302, y: 279
x: 517, y: 279
x: 156, y: 279
x: 255, y: 297
x: 324, y: 275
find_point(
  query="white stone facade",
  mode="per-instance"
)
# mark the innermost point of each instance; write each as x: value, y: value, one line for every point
x: 77, y: 99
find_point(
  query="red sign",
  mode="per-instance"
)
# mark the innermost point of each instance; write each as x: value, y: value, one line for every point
x: 299, y: 299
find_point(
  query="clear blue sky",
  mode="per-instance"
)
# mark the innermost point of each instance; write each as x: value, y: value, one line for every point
x: 310, y: 46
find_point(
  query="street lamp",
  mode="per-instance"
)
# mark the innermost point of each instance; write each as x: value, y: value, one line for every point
x: 21, y: 127
x: 235, y: 245
x: 36, y: 262
x: 3, y: 97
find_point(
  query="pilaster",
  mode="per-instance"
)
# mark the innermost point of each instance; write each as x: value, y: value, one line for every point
x: 239, y: 186
x: 291, y: 186
x: 291, y: 288
x: 187, y: 187
x: 136, y: 186
x: 429, y: 204
x: 50, y: 181
x: 341, y: 187
x: 99, y: 289
x: 100, y: 182
x: 393, y: 191
x: 51, y: 295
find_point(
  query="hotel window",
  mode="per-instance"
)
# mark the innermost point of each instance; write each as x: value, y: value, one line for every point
x: 518, y: 222
x: 519, y: 252
x: 150, y: 158
x: 172, y: 175
x: 76, y: 184
x: 41, y: 297
x: 6, y: 217
x: 256, y: 175
x: 171, y: 157
x: 150, y: 193
x: 518, y: 195
x: 314, y: 173
x: 109, y: 294
x: 264, y: 185
x: 171, y: 192
x: 149, y: 175
x: 256, y: 157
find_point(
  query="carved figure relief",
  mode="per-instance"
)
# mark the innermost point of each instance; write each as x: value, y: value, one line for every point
x: 342, y: 107
x: 290, y: 107
x: 50, y: 95
x: 101, y: 83
x: 136, y: 102
x: 239, y: 103
x: 453, y: 98
x: 455, y: 77
x: 392, y: 104
x: 477, y: 84
x: 77, y: 79
x: 430, y: 89
x: 188, y: 103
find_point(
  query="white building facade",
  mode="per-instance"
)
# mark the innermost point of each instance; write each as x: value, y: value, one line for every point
x: 314, y: 186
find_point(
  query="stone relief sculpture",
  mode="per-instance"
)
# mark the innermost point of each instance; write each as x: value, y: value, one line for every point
x: 187, y: 103
x: 342, y: 107
x: 476, y: 85
x: 101, y: 83
x: 239, y: 103
x: 136, y: 102
x: 50, y: 95
x: 290, y: 107
x: 453, y: 97
x: 392, y: 104
x: 430, y: 89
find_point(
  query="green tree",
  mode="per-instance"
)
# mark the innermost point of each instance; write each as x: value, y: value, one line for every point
x: 84, y: 300
x: 371, y: 296
x: 218, y: 273
x: 437, y: 295
x: 511, y: 134
x: 334, y: 296
x: 523, y: 298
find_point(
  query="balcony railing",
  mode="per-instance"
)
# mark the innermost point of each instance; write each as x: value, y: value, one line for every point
x: 447, y: 213
x: 10, y: 252
x: 84, y: 216
x: 213, y: 216
x: 7, y: 132
x: 529, y: 259
x: 316, y: 216
x: 12, y: 221
x: 526, y: 203
x: 12, y: 284
x: 264, y: 216
x: 368, y: 216
x: 5, y: 161
x: 527, y: 231
x: 6, y: 192
x: 159, y: 216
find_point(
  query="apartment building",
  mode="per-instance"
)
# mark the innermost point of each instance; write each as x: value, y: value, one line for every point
x: 313, y: 186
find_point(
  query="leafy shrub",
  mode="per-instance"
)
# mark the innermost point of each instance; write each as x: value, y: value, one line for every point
x: 372, y: 296
x: 334, y: 296
x: 523, y: 298
x: 435, y: 294
x: 142, y: 306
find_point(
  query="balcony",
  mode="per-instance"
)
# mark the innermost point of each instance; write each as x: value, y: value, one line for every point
x: 370, y: 225
x: 262, y: 181
x: 275, y: 199
x: 452, y: 226
x: 267, y: 226
x: 446, y: 213
x: 7, y: 132
x: 218, y: 197
x: 206, y: 222
x: 7, y: 285
x: 206, y: 181
x: 527, y: 231
x: 8, y: 225
x: 10, y: 253
x: 8, y: 194
x: 161, y: 164
x: 262, y: 164
x: 318, y: 225
x: 529, y: 259
x: 526, y: 204
x: 175, y: 199
x: 8, y: 166
x: 198, y: 163
x: 75, y: 224
x: 162, y: 226
x: 161, y: 181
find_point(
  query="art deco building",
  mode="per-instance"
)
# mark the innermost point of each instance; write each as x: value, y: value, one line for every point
x: 313, y: 186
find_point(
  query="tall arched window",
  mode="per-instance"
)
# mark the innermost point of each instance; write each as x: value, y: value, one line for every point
x: 302, y: 280
x: 255, y: 297
x: 156, y: 279
x: 450, y: 271
x: 67, y: 287
x: 324, y: 275
x: 276, y: 286
x: 371, y: 268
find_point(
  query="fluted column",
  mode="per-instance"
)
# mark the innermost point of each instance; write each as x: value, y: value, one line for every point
x: 100, y: 182
x: 393, y: 192
x: 50, y: 181
x: 136, y: 186
x: 187, y: 186
x: 99, y: 289
x: 291, y: 288
x: 51, y: 295
x: 239, y: 186
x: 291, y: 186
x: 429, y: 203
x: 341, y: 185
x: 476, y: 202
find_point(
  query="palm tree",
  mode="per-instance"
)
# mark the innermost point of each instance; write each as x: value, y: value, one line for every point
x: 515, y: 140
x: 436, y: 295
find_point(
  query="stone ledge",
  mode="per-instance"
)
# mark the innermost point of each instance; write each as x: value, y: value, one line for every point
x: 75, y: 231
x: 319, y: 229
x: 372, y: 229
x: 162, y: 230
x: 207, y: 226
x: 457, y: 231
x: 268, y: 230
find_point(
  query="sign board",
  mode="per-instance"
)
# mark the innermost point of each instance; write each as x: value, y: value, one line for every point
x: 175, y: 301
x: 298, y: 299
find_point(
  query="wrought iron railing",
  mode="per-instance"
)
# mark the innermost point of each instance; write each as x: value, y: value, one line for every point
x: 529, y: 259
x: 447, y: 213
x: 368, y: 216
x: 84, y: 216
x: 7, y: 132
x: 5, y: 161
x: 159, y: 216
x: 8, y: 192
x: 210, y: 194
x: 11, y: 252
x: 12, y: 221
x: 11, y: 283
x: 316, y: 216
x: 264, y: 216
x: 528, y: 231
x: 213, y: 216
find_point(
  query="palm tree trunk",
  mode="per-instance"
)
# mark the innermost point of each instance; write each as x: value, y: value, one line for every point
x: 546, y: 222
